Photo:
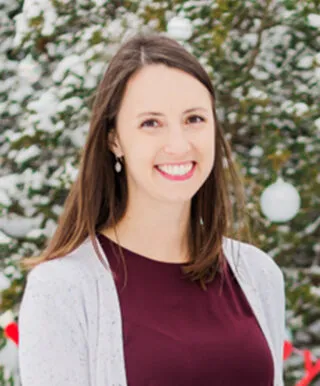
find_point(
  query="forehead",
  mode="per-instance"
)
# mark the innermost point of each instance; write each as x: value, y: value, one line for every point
x: 159, y: 86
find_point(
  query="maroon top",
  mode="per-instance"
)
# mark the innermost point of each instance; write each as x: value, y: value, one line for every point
x: 175, y: 334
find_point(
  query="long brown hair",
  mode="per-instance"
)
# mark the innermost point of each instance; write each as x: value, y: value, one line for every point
x: 98, y: 197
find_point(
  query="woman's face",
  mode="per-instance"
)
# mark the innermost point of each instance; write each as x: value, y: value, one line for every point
x: 165, y: 120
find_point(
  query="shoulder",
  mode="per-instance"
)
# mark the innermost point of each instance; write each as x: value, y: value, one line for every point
x: 254, y: 260
x: 72, y: 270
x: 57, y: 291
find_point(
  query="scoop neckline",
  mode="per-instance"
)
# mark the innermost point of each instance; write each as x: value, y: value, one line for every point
x: 132, y: 253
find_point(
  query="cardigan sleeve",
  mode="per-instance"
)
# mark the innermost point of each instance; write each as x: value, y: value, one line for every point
x: 268, y: 278
x: 272, y: 292
x: 52, y: 345
x: 280, y: 307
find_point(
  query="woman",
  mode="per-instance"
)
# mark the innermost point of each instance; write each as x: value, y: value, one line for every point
x: 187, y: 305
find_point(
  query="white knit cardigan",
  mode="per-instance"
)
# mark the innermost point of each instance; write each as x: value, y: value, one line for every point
x: 70, y: 322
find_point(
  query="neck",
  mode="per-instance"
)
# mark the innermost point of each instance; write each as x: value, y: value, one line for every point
x: 159, y: 232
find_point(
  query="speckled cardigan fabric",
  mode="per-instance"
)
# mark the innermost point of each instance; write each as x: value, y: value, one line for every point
x: 70, y: 321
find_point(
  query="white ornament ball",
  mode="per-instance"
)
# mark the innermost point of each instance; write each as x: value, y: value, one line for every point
x: 179, y: 28
x: 280, y: 202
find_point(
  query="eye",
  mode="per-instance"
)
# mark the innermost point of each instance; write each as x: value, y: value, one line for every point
x: 149, y: 123
x: 196, y: 119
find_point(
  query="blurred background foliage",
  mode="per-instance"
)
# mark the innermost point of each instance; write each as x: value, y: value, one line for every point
x: 264, y: 61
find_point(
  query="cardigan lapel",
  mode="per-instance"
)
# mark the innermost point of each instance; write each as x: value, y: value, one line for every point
x: 242, y: 273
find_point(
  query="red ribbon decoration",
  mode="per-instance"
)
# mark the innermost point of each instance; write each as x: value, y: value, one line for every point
x: 312, y: 370
x: 287, y: 349
x: 11, y: 332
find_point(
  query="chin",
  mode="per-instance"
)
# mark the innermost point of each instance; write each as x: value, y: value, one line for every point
x: 179, y: 197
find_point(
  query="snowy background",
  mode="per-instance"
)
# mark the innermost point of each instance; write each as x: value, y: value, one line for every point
x: 264, y: 60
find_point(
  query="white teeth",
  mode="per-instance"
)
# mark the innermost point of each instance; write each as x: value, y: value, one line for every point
x: 176, y: 170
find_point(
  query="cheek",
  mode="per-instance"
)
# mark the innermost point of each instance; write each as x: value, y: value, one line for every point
x: 207, y: 144
x: 208, y: 153
x: 139, y: 149
x: 138, y: 156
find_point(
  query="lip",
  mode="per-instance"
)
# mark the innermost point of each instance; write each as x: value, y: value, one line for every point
x: 176, y: 163
x: 178, y: 178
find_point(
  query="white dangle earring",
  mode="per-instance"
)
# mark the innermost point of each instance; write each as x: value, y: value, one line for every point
x: 118, y: 166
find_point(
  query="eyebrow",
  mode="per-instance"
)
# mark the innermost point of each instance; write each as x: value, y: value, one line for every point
x: 160, y: 114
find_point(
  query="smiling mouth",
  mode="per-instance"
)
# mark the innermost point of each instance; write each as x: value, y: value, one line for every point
x: 177, y: 172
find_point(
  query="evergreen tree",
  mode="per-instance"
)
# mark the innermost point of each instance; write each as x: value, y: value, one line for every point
x: 263, y: 57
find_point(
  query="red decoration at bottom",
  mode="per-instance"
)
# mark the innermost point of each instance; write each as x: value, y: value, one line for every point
x: 11, y: 332
x: 311, y: 369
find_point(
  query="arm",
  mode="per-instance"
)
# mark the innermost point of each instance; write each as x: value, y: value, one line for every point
x: 270, y: 283
x: 280, y: 312
x: 52, y: 343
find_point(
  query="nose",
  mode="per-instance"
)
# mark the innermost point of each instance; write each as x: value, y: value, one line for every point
x: 177, y: 142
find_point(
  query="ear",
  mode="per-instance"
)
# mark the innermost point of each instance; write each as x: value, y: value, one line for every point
x: 114, y: 143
